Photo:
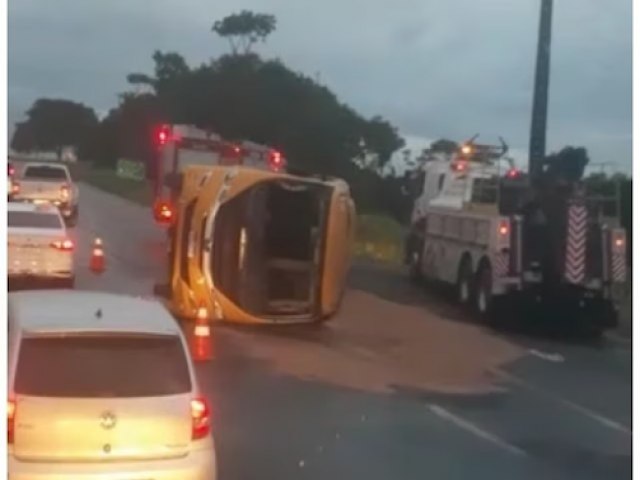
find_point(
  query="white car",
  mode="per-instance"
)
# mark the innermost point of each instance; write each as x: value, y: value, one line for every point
x: 48, y: 183
x: 102, y: 386
x: 39, y: 248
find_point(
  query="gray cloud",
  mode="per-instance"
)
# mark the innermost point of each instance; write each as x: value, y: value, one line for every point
x: 433, y: 67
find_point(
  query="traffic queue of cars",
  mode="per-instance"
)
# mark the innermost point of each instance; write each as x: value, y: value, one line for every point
x: 100, y: 385
x: 43, y: 203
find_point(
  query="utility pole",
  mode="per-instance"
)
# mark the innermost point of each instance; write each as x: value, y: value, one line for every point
x: 538, y: 134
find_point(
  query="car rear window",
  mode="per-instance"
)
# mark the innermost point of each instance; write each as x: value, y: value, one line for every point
x: 33, y: 220
x: 102, y: 367
x: 45, y: 173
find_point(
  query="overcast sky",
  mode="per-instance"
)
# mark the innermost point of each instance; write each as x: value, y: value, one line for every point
x: 434, y: 68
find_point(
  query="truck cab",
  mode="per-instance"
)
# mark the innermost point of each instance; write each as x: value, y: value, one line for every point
x: 177, y: 147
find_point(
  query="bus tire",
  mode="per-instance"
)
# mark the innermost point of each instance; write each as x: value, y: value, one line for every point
x: 483, y: 296
x: 464, y: 284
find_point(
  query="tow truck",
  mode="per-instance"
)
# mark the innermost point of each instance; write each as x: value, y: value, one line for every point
x: 484, y: 226
x: 250, y: 240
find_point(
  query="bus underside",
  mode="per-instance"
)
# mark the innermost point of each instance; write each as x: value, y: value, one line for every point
x: 268, y: 245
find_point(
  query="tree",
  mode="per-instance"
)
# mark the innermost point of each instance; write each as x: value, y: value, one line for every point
x: 243, y: 97
x: 54, y: 124
x: 244, y: 29
x: 23, y: 139
x: 444, y: 145
x: 568, y: 164
x: 127, y: 130
x: 382, y: 139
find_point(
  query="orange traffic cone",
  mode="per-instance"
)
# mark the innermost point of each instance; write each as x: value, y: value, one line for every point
x: 96, y: 264
x: 201, y: 340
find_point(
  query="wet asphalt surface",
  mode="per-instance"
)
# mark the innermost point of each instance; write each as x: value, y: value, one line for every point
x: 561, y: 411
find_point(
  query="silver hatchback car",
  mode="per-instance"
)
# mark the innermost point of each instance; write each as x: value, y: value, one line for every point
x: 102, y: 386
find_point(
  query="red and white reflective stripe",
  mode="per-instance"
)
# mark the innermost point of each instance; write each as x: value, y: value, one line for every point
x: 500, y: 265
x: 576, y: 250
x: 618, y: 268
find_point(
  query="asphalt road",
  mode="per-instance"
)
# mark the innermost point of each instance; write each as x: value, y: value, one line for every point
x: 400, y: 386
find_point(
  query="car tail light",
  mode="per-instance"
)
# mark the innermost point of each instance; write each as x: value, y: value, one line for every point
x: 65, y: 192
x: 15, y: 188
x: 11, y: 415
x: 65, y: 245
x: 12, y: 170
x: 200, y: 418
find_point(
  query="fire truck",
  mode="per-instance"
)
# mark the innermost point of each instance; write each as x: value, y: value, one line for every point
x: 181, y: 146
x: 249, y: 241
x: 502, y: 238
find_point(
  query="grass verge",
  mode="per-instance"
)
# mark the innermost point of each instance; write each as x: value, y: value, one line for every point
x: 107, y: 180
x: 379, y: 238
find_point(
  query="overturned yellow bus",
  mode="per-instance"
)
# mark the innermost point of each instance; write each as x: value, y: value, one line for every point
x: 258, y: 246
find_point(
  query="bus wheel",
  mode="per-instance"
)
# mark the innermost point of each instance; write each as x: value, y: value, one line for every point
x: 483, y: 296
x: 464, y: 285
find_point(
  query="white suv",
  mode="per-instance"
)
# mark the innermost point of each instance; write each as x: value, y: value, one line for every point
x: 101, y: 386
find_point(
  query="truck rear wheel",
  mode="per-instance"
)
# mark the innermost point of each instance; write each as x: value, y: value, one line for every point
x: 483, y: 295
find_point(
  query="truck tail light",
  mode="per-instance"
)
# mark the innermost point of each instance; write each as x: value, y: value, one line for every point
x: 503, y: 228
x: 459, y: 166
x: 163, y: 212
x: 162, y: 134
x: 200, y: 418
x: 503, y: 234
x: 513, y: 173
x: 11, y: 415
x: 276, y: 160
x: 618, y: 241
x: 65, y: 245
x: 15, y: 188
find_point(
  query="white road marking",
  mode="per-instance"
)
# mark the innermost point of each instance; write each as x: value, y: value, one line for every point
x: 607, y: 422
x: 550, y: 357
x: 477, y: 431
